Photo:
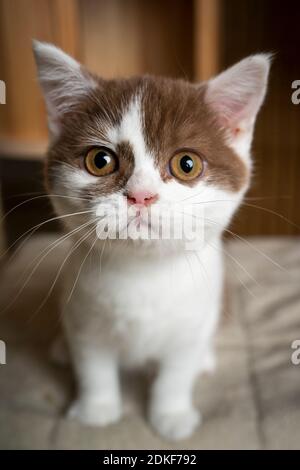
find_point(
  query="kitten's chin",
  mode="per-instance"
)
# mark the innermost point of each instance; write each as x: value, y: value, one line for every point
x: 142, y: 229
x: 147, y: 247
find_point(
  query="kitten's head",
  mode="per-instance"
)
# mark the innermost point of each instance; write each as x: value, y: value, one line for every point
x: 134, y: 146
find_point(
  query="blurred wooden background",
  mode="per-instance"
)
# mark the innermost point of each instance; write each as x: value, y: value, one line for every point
x: 188, y: 38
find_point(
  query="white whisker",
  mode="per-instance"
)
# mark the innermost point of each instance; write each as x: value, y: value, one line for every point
x: 239, y: 237
x: 242, y: 267
x: 35, y: 228
x: 39, y: 197
x: 77, y: 244
x: 255, y: 206
x: 80, y: 269
x: 238, y: 264
x: 53, y: 246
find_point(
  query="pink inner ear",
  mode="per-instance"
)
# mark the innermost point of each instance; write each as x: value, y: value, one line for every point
x: 230, y: 112
x: 237, y: 94
x: 236, y: 131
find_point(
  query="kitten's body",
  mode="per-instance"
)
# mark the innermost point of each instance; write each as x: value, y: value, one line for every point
x: 138, y: 312
x: 130, y: 301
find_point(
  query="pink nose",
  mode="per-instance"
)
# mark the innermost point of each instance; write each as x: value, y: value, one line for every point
x: 141, y: 197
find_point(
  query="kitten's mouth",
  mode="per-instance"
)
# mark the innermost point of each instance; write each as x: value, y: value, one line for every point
x: 138, y: 211
x: 158, y: 222
x: 141, y: 217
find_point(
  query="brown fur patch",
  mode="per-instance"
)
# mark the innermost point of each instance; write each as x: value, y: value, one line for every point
x: 177, y: 117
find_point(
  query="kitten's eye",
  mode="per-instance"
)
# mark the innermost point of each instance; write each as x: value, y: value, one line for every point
x: 100, y: 162
x: 186, y: 166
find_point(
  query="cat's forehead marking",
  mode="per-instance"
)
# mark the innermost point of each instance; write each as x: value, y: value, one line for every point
x: 131, y: 129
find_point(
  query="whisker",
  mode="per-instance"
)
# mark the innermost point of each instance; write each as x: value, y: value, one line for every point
x: 263, y: 254
x: 77, y: 244
x: 35, y: 228
x: 71, y: 197
x: 229, y: 255
x: 191, y: 270
x: 53, y: 245
x: 80, y: 269
x: 248, y: 198
x: 101, y: 254
x: 25, y: 194
x: 43, y: 193
x: 39, y: 197
x: 238, y: 277
x: 255, y: 206
x: 203, y: 270
x: 239, y: 237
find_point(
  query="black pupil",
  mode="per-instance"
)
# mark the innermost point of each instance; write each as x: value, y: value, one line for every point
x: 186, y: 164
x: 101, y: 159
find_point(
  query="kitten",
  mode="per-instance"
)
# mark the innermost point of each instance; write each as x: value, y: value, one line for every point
x: 140, y: 144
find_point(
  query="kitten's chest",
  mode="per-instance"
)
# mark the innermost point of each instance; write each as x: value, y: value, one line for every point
x: 144, y: 309
x: 140, y: 291
x: 143, y: 305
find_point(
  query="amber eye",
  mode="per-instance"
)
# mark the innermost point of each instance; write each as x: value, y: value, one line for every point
x: 186, y: 166
x: 100, y: 162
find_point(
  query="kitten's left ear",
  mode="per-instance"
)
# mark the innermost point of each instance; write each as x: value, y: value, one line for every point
x: 63, y: 81
x: 236, y: 96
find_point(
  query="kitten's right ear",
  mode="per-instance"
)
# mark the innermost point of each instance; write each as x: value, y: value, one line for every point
x: 236, y: 96
x: 63, y: 81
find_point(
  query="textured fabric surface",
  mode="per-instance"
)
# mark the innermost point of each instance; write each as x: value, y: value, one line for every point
x: 251, y: 402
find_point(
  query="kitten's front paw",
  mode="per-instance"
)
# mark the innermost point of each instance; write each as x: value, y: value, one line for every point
x: 95, y: 413
x: 175, y: 425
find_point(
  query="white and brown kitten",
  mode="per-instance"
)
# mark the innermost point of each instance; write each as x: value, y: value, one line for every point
x: 145, y: 142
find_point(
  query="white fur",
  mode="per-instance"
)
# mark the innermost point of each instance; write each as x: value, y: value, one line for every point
x: 145, y: 175
x: 139, y: 302
x: 144, y: 308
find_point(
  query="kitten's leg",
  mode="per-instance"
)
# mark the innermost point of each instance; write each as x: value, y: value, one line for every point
x: 172, y: 413
x: 99, y: 400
